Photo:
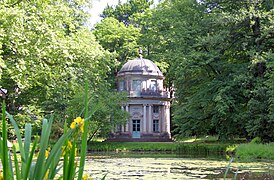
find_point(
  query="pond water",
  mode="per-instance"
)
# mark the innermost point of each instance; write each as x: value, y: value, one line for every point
x: 164, y: 166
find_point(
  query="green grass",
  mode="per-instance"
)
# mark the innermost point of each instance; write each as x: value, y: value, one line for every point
x: 194, y: 139
x: 209, y: 139
x: 132, y: 146
x: 252, y: 151
x: 202, y: 148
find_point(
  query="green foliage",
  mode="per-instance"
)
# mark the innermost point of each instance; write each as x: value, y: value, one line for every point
x: 4, y: 152
x: 127, y: 12
x: 120, y: 31
x: 256, y: 140
x: 220, y: 61
x: 45, y: 53
x: 253, y: 151
x: 46, y: 166
x: 231, y: 149
x: 115, y: 37
x: 105, y: 107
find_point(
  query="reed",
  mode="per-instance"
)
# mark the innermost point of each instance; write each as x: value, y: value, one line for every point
x: 253, y: 151
x: 47, y: 163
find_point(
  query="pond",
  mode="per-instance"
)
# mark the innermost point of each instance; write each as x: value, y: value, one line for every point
x: 170, y: 166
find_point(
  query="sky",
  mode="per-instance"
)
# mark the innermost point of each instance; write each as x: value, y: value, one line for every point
x: 98, y: 7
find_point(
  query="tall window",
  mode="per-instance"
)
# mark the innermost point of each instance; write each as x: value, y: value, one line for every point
x: 122, y: 85
x: 136, y: 85
x: 156, y: 109
x: 153, y: 85
x: 156, y: 125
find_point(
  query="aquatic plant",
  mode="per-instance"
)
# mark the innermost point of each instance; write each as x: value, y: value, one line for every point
x: 227, y: 169
x: 47, y: 164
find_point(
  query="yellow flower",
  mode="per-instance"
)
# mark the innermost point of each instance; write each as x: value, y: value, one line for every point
x: 79, y: 122
x: 66, y: 148
x: 63, y: 150
x: 85, y: 177
x: 47, y: 175
x: 69, y: 145
x: 1, y: 176
x: 47, y: 153
x: 72, y: 125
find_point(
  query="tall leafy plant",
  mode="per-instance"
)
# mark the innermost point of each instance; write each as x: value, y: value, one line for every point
x: 47, y: 164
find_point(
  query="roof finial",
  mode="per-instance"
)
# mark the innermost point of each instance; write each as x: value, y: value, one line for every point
x: 140, y: 53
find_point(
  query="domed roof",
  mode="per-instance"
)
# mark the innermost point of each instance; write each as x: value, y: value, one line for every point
x: 140, y: 65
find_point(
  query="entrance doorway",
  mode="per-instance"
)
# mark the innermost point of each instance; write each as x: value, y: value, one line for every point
x: 136, y: 128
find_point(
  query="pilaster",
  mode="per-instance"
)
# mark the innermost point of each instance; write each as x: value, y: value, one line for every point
x: 149, y: 119
x: 144, y: 118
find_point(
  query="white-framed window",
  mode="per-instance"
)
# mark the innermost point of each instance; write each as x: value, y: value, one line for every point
x: 153, y: 85
x: 156, y: 125
x: 136, y: 85
x: 122, y: 86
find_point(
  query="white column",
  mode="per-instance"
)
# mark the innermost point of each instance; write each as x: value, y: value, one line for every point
x: 127, y: 120
x: 144, y: 118
x: 160, y: 118
x: 168, y: 117
x: 149, y: 119
x: 164, y: 119
x: 123, y: 125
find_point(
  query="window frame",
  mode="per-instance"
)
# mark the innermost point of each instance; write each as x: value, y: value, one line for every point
x: 156, y: 125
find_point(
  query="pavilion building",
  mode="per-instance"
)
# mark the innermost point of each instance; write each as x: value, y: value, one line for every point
x: 148, y: 103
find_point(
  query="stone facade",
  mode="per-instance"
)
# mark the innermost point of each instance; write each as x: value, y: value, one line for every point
x: 148, y: 104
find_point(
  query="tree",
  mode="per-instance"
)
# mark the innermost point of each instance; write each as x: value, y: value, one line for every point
x: 221, y: 62
x: 118, y: 39
x: 104, y: 113
x: 46, y: 52
x: 129, y: 12
x: 115, y: 37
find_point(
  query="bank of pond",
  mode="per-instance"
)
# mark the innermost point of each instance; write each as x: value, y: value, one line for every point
x: 242, y: 152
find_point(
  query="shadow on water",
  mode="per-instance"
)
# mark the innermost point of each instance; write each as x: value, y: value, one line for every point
x: 155, y: 165
x: 155, y: 154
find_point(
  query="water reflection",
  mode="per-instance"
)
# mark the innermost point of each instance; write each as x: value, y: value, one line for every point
x: 155, y: 154
x: 163, y: 166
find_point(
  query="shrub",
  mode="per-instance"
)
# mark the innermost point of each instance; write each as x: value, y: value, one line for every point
x: 256, y: 140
